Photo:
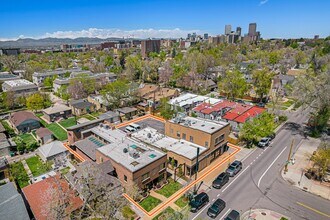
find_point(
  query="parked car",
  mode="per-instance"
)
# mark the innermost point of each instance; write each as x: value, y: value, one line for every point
x: 233, y: 215
x: 135, y: 126
x: 129, y: 129
x: 272, y: 136
x: 234, y: 168
x: 264, y: 142
x: 216, y: 208
x: 199, y: 201
x: 221, y: 180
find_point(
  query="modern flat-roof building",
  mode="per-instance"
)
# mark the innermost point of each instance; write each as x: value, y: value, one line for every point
x: 100, y: 78
x: 19, y: 87
x: 148, y: 46
x: 6, y: 76
x: 133, y: 162
x: 39, y: 77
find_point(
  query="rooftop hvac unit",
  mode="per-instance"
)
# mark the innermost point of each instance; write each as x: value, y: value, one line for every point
x: 149, y: 135
x: 125, y: 150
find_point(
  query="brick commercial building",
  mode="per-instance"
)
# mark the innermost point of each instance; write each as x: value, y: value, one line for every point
x: 133, y: 162
x: 148, y: 46
x: 183, y: 136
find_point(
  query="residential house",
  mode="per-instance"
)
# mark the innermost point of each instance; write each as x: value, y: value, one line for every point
x: 6, y: 145
x: 24, y: 121
x: 4, y: 170
x: 20, y: 87
x: 81, y: 107
x: 99, y: 102
x: 6, y: 76
x: 111, y: 117
x: 12, y: 205
x: 41, y: 195
x: 44, y: 135
x: 52, y: 150
x: 152, y: 94
x: 127, y: 112
x: 38, y: 78
x: 56, y: 112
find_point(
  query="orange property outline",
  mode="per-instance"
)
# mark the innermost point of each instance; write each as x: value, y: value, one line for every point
x: 186, y: 188
x: 73, y: 152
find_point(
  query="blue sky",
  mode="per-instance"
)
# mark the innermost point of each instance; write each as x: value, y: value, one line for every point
x: 156, y: 18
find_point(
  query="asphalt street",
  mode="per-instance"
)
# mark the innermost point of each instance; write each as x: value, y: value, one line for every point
x: 260, y: 185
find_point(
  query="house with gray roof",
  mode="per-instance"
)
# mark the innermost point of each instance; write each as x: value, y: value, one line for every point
x: 52, y: 150
x: 81, y: 107
x: 56, y: 112
x: 12, y: 205
x: 24, y: 121
x: 6, y: 145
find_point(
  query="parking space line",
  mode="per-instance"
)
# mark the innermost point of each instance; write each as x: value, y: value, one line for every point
x: 235, y: 178
x: 270, y: 166
x: 218, y: 195
x: 222, y: 217
x: 200, y: 212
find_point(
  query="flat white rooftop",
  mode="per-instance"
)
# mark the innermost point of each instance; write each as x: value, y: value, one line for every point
x: 181, y: 147
x: 189, y: 99
x: 18, y: 82
x: 199, y: 124
x: 126, y: 151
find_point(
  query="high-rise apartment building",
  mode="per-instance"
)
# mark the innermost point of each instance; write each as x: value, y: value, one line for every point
x: 148, y: 46
x: 238, y: 31
x: 252, y: 29
x: 227, y: 29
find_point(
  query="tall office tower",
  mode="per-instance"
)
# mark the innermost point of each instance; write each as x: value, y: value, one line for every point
x: 188, y: 36
x: 206, y: 36
x: 227, y: 29
x: 252, y: 29
x: 239, y: 31
x: 148, y: 46
x: 194, y: 35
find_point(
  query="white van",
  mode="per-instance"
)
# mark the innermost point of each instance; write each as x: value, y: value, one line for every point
x: 129, y: 129
x: 135, y: 126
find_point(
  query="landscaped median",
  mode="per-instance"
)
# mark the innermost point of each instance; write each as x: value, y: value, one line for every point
x: 149, y: 203
x: 177, y: 195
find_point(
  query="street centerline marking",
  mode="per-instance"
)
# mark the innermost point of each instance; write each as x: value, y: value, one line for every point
x: 312, y: 209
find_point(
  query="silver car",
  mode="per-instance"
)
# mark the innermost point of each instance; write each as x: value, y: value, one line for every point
x: 234, y: 168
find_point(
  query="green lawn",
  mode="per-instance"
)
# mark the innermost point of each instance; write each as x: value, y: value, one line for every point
x: 182, y: 202
x: 19, y: 174
x: 149, y: 203
x: 169, y: 189
x: 68, y: 122
x: 39, y: 115
x: 9, y: 129
x: 58, y: 132
x: 89, y: 117
x: 27, y: 138
x: 164, y: 214
x: 128, y: 213
x: 37, y: 166
x: 65, y: 170
x: 96, y: 114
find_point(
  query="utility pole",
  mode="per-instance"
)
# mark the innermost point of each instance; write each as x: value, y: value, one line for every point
x: 289, y: 158
x: 196, y: 169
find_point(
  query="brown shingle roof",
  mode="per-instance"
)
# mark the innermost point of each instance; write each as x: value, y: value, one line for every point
x: 41, y: 196
x: 18, y: 117
x: 42, y: 132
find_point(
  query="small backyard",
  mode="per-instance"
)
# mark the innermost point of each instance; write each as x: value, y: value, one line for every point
x: 18, y: 173
x: 37, y: 166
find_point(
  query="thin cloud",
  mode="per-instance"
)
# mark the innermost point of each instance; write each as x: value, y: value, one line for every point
x: 118, y: 33
x: 263, y: 2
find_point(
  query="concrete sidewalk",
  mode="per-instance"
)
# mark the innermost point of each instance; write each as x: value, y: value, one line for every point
x: 295, y: 174
x: 262, y: 214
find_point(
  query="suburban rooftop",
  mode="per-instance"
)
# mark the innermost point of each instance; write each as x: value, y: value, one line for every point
x: 199, y: 124
x: 124, y: 150
x: 19, y: 83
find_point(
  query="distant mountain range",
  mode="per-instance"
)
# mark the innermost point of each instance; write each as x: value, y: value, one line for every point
x: 52, y: 42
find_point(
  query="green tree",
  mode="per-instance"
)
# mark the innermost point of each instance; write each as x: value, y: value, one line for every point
x: 262, y: 81
x: 114, y: 92
x: 321, y: 158
x: 258, y: 127
x: 273, y: 58
x: 35, y: 102
x: 233, y: 84
x: 165, y: 109
x: 48, y: 82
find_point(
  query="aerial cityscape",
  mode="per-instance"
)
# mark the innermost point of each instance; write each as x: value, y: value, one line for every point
x: 165, y: 110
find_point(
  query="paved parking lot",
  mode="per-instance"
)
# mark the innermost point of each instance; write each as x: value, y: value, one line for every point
x: 150, y: 122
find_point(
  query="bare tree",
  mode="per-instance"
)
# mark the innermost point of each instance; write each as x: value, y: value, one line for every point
x: 166, y: 73
x: 11, y: 63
